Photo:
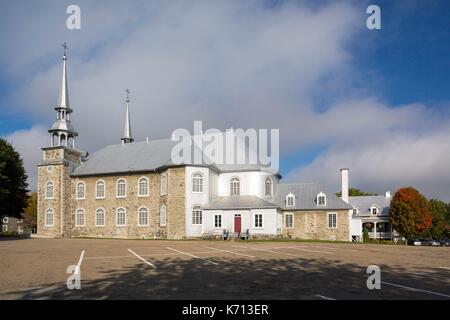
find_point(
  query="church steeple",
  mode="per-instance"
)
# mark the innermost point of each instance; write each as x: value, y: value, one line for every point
x: 127, y: 129
x: 62, y: 130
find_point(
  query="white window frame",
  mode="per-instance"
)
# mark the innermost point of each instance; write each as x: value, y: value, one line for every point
x: 52, y: 212
x: 201, y: 185
x: 5, y: 228
x: 117, y: 217
x: 261, y: 221
x: 139, y: 217
x: 96, y: 217
x: 235, y: 181
x: 290, y: 196
x: 196, y: 221
x: 139, y: 187
x: 377, y: 210
x: 353, y: 210
x: 117, y: 188
x: 96, y: 189
x: 19, y: 229
x: 328, y: 220
x: 285, y: 220
x: 84, y: 190
x: 221, y: 221
x: 324, y: 196
x: 77, y: 212
x: 46, y: 190
x: 162, y: 222
x: 270, y: 181
x: 5, y: 219
x: 163, y: 185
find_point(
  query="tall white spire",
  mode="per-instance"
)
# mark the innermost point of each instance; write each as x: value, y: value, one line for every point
x: 127, y: 129
x: 62, y: 130
x: 63, y: 101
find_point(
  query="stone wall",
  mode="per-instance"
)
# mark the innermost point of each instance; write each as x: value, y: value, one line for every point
x: 314, y: 225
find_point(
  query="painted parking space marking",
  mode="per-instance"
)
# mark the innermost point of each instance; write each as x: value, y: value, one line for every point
x: 416, y: 289
x: 276, y: 252
x: 308, y: 250
x: 80, y: 261
x: 445, y: 268
x: 194, y: 256
x: 324, y: 297
x: 139, y: 257
x: 232, y: 252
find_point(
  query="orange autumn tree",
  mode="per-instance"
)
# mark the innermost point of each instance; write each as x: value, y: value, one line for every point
x: 409, y: 213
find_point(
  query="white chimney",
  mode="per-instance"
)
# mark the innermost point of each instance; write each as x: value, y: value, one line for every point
x: 388, y: 194
x: 344, y: 184
x: 147, y: 140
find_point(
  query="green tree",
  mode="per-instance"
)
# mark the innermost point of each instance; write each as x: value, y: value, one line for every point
x: 409, y: 213
x: 354, y: 192
x: 30, y: 213
x: 438, y: 210
x: 13, y: 181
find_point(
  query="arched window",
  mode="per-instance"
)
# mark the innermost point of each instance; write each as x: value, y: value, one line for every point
x: 49, y: 190
x: 321, y: 199
x: 79, y: 218
x: 197, y: 182
x: 121, y: 217
x: 163, y: 184
x: 143, y: 216
x: 162, y: 216
x: 235, y: 187
x: 49, y: 218
x: 143, y: 187
x: 268, y: 187
x: 80, y: 190
x: 121, y: 188
x: 290, y: 200
x: 100, y: 217
x: 196, y: 215
x: 100, y: 189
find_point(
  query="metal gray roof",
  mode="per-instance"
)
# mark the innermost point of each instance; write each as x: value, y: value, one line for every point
x: 305, y: 197
x: 365, y: 202
x: 141, y: 157
x: 239, y: 202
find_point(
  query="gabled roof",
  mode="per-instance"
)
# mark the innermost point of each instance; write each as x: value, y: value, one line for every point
x: 365, y: 202
x: 305, y: 197
x: 238, y: 202
x: 144, y: 156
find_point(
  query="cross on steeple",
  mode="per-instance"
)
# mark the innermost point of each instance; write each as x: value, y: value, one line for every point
x: 64, y: 45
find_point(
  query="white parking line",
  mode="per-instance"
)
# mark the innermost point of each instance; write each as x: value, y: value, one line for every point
x: 191, y: 255
x: 150, y: 264
x: 325, y: 298
x: 77, y: 270
x: 308, y: 250
x: 415, y: 289
x: 445, y: 268
x: 237, y: 253
x: 276, y: 252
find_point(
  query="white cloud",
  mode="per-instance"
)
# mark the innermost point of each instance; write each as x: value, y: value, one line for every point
x: 228, y: 63
x: 27, y: 143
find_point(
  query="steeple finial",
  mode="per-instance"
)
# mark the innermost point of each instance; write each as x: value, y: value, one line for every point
x: 64, y: 94
x: 127, y: 129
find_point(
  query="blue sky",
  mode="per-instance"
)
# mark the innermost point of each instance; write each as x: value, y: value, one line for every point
x: 376, y: 101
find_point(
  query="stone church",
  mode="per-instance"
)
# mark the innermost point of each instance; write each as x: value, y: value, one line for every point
x: 134, y: 190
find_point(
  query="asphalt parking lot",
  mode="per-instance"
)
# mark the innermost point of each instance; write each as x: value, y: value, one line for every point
x: 158, y: 269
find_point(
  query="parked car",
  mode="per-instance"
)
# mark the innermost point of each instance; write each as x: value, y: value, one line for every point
x: 414, y: 242
x: 429, y: 242
x: 444, y: 242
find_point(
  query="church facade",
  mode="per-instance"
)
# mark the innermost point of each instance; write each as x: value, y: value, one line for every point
x: 134, y: 190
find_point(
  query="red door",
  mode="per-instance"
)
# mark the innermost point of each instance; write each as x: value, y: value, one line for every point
x: 237, y: 223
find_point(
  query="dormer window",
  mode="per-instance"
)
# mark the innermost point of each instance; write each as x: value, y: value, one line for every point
x: 374, y: 210
x: 290, y: 200
x: 321, y: 199
x: 355, y: 210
